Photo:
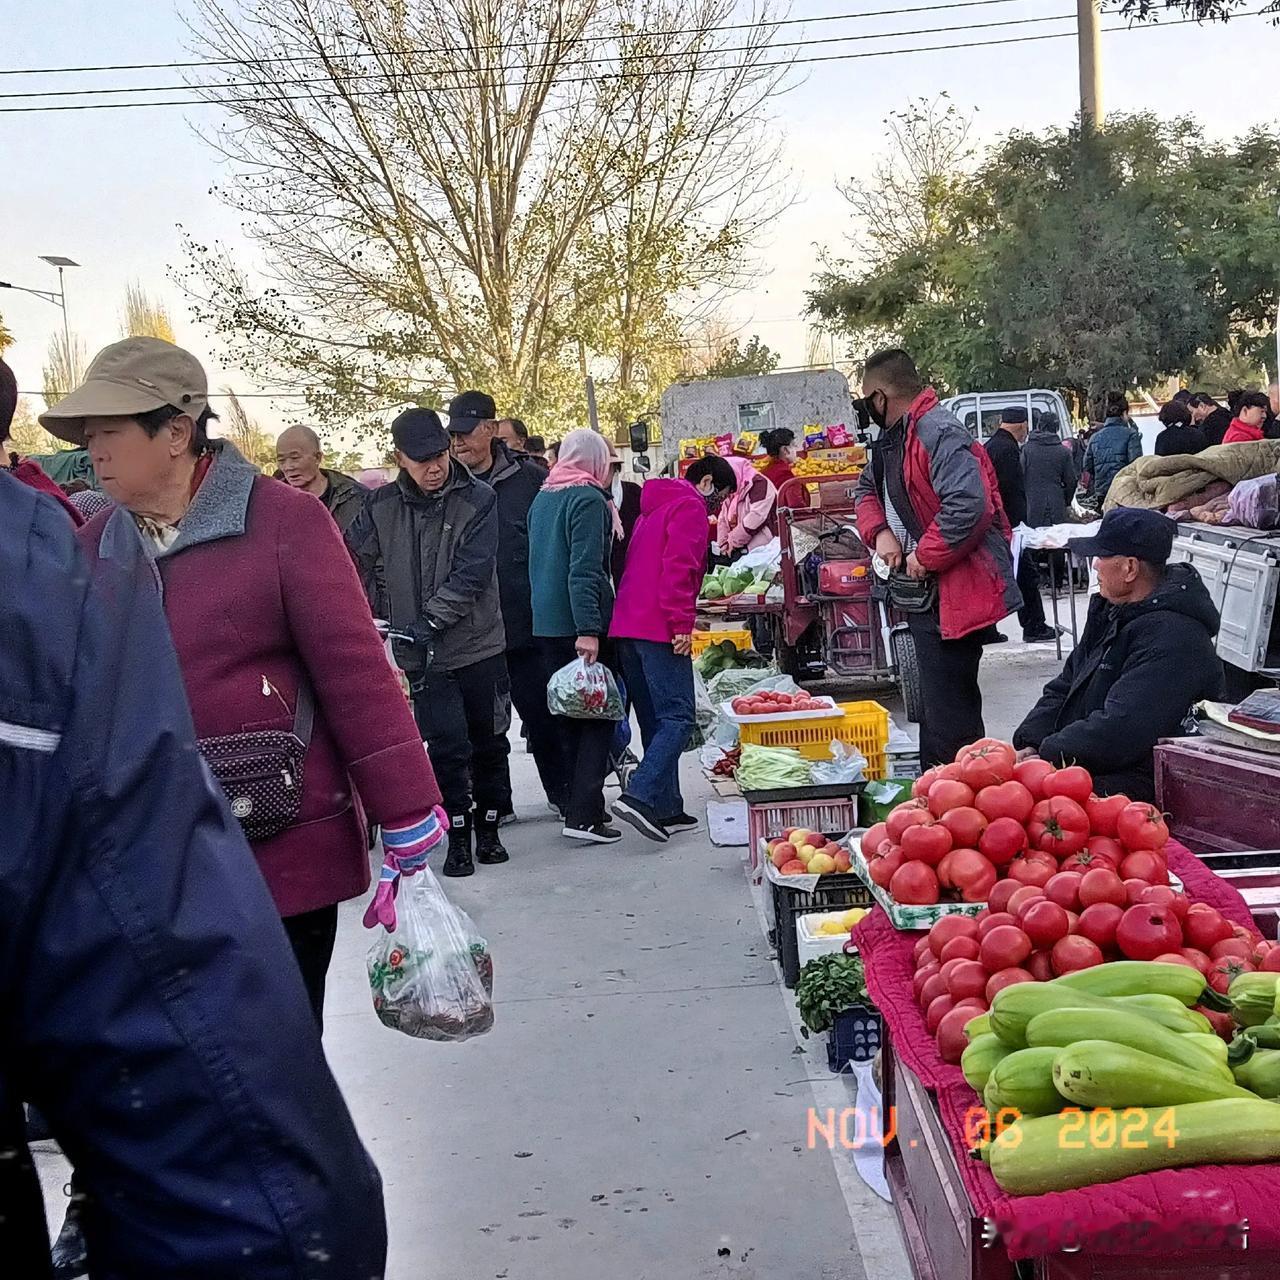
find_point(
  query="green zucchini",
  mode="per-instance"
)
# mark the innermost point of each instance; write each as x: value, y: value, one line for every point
x: 1076, y: 1149
x: 1137, y: 977
x: 1166, y: 1010
x: 1261, y: 1073
x: 1253, y: 997
x: 979, y: 1026
x: 1015, y: 1006
x: 979, y: 1057
x: 1099, y: 1073
x: 1023, y: 1081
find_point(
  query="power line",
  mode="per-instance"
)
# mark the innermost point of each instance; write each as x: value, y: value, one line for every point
x: 621, y: 75
x: 483, y: 48
x: 394, y: 76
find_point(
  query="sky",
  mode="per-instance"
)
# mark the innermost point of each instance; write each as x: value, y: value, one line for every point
x: 111, y: 189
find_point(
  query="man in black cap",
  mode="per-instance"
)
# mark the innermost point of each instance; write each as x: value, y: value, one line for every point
x: 427, y: 549
x: 1146, y: 656
x: 1005, y: 451
x: 516, y: 479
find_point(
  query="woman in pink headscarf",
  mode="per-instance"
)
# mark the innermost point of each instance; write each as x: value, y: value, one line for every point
x: 749, y: 517
x: 572, y: 525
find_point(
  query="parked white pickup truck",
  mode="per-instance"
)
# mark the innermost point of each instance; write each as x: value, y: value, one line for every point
x: 980, y: 410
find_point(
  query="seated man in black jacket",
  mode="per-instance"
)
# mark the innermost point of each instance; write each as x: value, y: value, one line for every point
x: 1146, y: 656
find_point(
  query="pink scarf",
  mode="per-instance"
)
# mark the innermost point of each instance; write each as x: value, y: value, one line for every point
x: 584, y: 458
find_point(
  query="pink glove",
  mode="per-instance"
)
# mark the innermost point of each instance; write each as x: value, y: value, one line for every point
x: 405, y: 850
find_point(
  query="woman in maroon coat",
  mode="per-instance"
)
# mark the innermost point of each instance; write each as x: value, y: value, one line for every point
x: 261, y: 597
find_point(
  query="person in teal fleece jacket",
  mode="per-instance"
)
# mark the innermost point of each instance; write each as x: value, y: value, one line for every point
x: 572, y: 525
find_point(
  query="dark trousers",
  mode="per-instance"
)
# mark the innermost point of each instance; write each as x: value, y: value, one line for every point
x: 464, y: 716
x: 951, y: 715
x: 1031, y: 615
x: 528, y: 672
x: 585, y: 743
x: 661, y: 689
x: 312, y: 935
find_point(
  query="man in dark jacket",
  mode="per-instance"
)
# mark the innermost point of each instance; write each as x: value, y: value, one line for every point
x: 1146, y: 655
x: 1112, y: 447
x: 1005, y: 451
x: 299, y: 457
x: 1212, y: 419
x: 427, y: 549
x: 1049, y: 472
x: 151, y: 1008
x: 516, y: 479
x: 929, y: 505
x: 1179, y: 435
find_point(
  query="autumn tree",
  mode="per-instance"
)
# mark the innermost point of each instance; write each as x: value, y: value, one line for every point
x: 6, y: 337
x: 244, y: 432
x: 145, y: 316
x: 28, y: 436
x: 493, y: 193
x: 63, y: 367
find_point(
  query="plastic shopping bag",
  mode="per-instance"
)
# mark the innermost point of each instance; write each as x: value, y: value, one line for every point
x: 431, y: 976
x: 584, y: 691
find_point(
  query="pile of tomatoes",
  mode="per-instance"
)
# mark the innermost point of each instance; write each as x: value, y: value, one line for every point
x: 770, y: 702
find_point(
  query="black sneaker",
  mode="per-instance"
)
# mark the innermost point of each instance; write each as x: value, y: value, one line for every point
x: 1045, y: 635
x: 489, y: 848
x: 600, y: 833
x: 70, y: 1254
x: 458, y: 860
x: 681, y: 822
x: 641, y: 816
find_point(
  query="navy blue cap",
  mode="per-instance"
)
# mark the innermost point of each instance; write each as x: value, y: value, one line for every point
x: 468, y: 410
x: 418, y: 434
x: 1013, y: 415
x: 1130, y: 531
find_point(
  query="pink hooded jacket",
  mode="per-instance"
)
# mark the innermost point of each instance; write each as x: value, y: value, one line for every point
x: 748, y: 518
x: 658, y: 595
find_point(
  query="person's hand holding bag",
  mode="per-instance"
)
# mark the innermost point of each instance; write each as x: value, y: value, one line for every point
x: 405, y: 851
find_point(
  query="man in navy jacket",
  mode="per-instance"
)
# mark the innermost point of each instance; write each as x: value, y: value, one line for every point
x: 150, y: 1007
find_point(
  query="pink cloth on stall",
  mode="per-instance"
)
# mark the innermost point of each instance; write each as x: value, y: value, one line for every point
x: 1102, y: 1219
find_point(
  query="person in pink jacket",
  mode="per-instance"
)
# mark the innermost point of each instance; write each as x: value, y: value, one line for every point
x: 653, y: 625
x: 749, y: 518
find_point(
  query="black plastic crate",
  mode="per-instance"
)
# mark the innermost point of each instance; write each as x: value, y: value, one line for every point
x: 833, y: 892
x: 854, y: 1036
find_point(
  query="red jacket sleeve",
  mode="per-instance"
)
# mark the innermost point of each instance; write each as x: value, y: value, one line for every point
x: 684, y: 560
x: 868, y: 510
x: 355, y: 688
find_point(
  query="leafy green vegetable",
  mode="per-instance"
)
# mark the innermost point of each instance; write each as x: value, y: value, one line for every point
x: 828, y: 986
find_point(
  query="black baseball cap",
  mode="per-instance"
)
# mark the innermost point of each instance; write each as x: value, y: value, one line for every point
x: 1130, y: 531
x: 468, y: 410
x: 1013, y: 415
x: 418, y: 434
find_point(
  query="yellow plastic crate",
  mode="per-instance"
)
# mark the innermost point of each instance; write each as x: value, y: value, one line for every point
x: 864, y: 725
x: 702, y: 640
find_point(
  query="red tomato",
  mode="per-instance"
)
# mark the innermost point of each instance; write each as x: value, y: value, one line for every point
x: 1074, y: 782
x: 1144, y: 865
x: 1098, y: 923
x: 1271, y: 961
x: 1001, y: 840
x: 1174, y: 957
x: 907, y: 814
x: 922, y: 976
x: 1064, y: 889
x: 946, y: 795
x: 1103, y: 812
x: 1231, y: 947
x: 966, y: 825
x: 1007, y: 800
x: 1224, y: 972
x: 1142, y: 826
x: 952, y: 1040
x: 1032, y: 871
x: 937, y: 1010
x: 1040, y: 966
x: 915, y: 884
x: 1058, y: 826
x: 1032, y: 773
x: 873, y: 839
x: 1101, y: 885
x: 921, y: 947
x: 1162, y: 896
x: 967, y: 979
x: 926, y: 842
x: 1004, y: 948
x: 969, y: 872
x: 947, y: 928
x: 985, y: 767
x: 1021, y: 897
x: 993, y: 745
x: 1203, y: 925
x: 998, y: 898
x: 1006, y: 978
x: 1198, y: 959
x: 994, y: 921
x: 951, y: 772
x: 1097, y: 852
x: 1044, y: 923
x: 920, y: 787
x: 1074, y: 953
x: 1145, y: 932
x: 934, y: 985
x: 1135, y: 888
x: 1222, y: 1023
x: 960, y: 949
x: 881, y: 869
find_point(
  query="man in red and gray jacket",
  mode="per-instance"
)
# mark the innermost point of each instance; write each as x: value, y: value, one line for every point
x: 929, y: 505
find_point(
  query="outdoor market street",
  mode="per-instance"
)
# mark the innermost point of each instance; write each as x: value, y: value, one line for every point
x: 640, y: 1108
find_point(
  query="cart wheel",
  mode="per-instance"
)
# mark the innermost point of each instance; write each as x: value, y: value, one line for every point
x: 908, y: 667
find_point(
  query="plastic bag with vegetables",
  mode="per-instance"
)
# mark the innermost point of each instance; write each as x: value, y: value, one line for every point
x: 584, y: 691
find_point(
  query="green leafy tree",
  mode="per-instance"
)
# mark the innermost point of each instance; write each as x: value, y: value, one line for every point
x: 733, y: 360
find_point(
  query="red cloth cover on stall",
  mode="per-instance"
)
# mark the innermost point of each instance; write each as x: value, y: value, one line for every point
x: 1192, y: 1208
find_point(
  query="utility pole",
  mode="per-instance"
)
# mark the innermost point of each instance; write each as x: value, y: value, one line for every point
x: 1089, y: 32
x: 592, y: 416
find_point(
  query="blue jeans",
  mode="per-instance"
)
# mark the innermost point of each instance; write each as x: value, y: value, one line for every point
x: 661, y: 688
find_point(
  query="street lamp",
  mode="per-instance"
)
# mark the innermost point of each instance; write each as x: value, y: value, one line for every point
x: 58, y: 299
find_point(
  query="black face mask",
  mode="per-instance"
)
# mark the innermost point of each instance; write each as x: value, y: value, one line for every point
x: 869, y: 411
x: 714, y: 500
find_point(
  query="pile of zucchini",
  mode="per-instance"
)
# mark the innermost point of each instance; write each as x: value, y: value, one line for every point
x: 1108, y: 1072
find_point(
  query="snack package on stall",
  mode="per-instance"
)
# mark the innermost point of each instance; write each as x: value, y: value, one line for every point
x: 838, y: 436
x: 746, y: 443
x: 815, y: 437
x: 724, y: 444
x: 431, y: 976
x: 584, y: 691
